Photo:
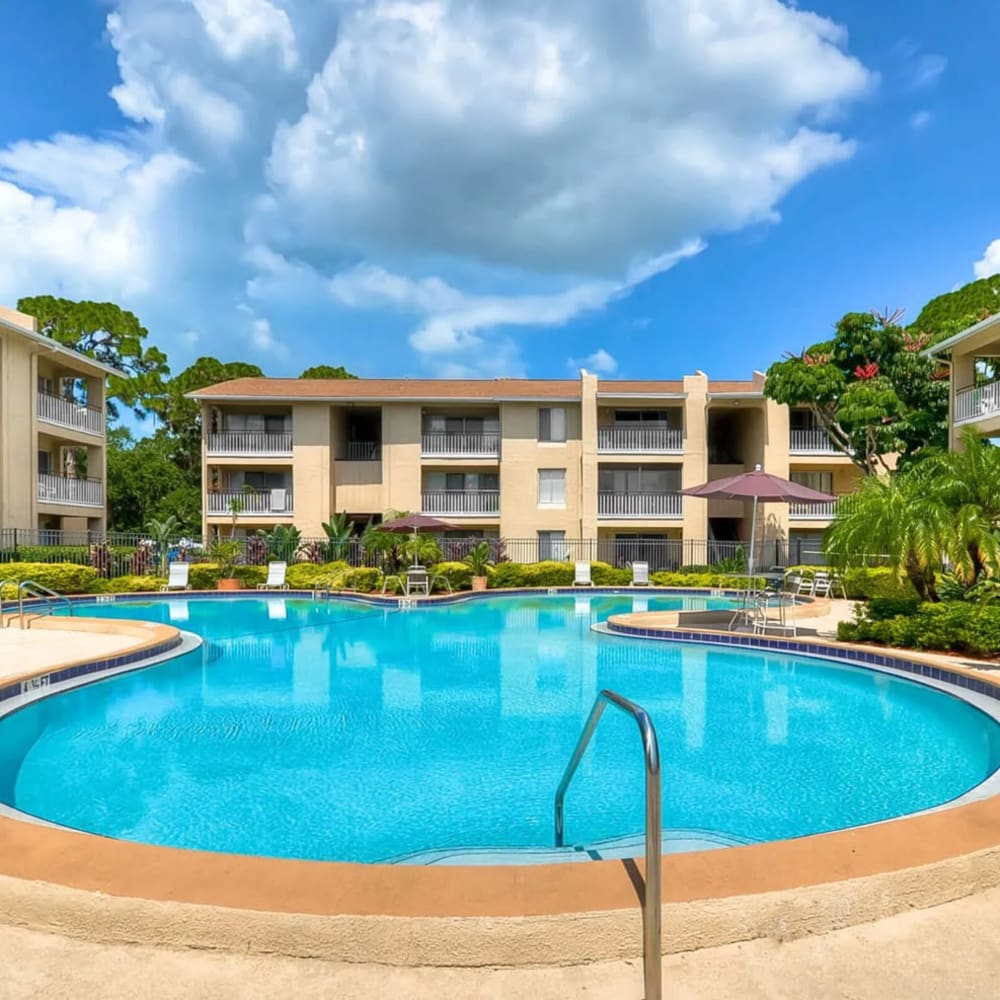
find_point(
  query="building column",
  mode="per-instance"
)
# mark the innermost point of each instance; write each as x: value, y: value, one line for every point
x: 588, y: 455
x: 694, y: 469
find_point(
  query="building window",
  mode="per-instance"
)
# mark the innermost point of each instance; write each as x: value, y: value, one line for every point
x: 551, y: 545
x: 822, y: 481
x: 639, y: 479
x: 44, y: 463
x: 552, y: 423
x: 551, y: 487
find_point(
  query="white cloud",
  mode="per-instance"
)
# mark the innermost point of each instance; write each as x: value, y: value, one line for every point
x: 990, y: 262
x: 600, y: 362
x: 190, y: 338
x: 919, y: 120
x: 477, y: 169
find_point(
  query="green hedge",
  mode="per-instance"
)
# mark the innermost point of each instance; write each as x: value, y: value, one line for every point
x: 65, y: 578
x: 132, y: 584
x: 456, y: 573
x: 950, y: 625
x: 309, y: 576
x: 363, y: 578
x: 864, y: 584
x: 695, y: 580
x: 205, y: 576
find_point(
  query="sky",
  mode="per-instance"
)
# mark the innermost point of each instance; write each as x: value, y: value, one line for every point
x: 480, y: 188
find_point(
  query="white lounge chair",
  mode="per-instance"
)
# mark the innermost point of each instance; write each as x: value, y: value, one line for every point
x: 582, y: 577
x: 178, y: 577
x: 276, y: 572
x: 640, y: 574
x: 417, y: 581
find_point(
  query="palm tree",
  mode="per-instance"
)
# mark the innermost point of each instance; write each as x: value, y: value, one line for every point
x: 161, y: 533
x: 899, y: 518
x: 338, y: 531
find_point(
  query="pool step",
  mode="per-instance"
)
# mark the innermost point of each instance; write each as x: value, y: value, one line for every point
x: 674, y: 842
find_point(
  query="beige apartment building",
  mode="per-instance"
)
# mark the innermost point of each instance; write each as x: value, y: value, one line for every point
x: 973, y: 357
x: 52, y: 432
x: 543, y: 460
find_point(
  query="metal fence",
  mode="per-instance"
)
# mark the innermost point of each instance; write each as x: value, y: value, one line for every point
x: 121, y: 553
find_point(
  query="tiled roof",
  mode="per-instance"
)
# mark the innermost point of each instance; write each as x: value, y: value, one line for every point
x: 391, y: 388
x: 630, y: 386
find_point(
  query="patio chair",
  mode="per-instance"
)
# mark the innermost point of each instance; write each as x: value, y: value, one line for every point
x: 640, y: 574
x: 442, y: 579
x: 417, y: 580
x: 822, y: 583
x: 178, y: 577
x: 582, y: 577
x: 276, y: 572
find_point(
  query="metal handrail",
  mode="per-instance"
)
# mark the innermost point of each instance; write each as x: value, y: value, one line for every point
x: 3, y: 583
x: 41, y: 592
x: 651, y: 944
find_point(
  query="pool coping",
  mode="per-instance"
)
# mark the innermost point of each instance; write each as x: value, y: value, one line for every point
x: 511, y: 914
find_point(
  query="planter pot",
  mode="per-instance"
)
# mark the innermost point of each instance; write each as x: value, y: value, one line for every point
x: 229, y: 584
x: 479, y: 583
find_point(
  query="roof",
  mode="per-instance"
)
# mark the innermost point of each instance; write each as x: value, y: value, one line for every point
x: 11, y: 322
x: 376, y: 389
x: 942, y: 347
x: 631, y: 387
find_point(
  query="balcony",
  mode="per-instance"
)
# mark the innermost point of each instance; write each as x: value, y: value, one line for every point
x: 362, y: 451
x: 66, y: 413
x: 977, y: 402
x: 639, y: 505
x: 249, y: 444
x: 267, y: 503
x: 630, y: 439
x: 812, y: 511
x: 462, y: 503
x: 445, y: 445
x: 811, y: 441
x: 70, y: 491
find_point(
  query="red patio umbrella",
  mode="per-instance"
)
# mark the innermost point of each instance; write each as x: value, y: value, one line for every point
x: 414, y: 523
x: 761, y: 487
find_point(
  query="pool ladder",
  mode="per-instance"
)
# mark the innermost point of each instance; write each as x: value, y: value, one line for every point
x: 38, y: 592
x: 651, y: 903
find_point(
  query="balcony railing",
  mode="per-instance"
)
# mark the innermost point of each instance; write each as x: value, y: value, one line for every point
x: 464, y: 502
x: 626, y: 439
x: 66, y: 413
x: 980, y: 401
x: 811, y: 441
x: 638, y: 505
x: 264, y: 502
x: 70, y: 490
x: 249, y: 443
x: 461, y: 445
x: 812, y: 511
x: 363, y: 451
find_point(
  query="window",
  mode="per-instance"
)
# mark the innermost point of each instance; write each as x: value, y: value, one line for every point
x: 551, y: 545
x: 274, y: 424
x: 44, y: 466
x: 822, y: 481
x: 552, y: 423
x: 462, y: 482
x: 551, y: 487
x: 639, y: 479
x: 262, y: 482
x: 658, y: 417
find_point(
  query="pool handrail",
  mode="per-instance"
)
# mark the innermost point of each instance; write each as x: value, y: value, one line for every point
x: 651, y: 912
x: 3, y: 583
x: 40, y: 592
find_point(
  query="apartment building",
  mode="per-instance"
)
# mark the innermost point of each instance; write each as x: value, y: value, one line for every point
x: 52, y: 432
x: 974, y: 384
x: 548, y: 460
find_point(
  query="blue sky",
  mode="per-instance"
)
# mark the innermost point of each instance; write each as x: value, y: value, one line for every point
x: 435, y: 187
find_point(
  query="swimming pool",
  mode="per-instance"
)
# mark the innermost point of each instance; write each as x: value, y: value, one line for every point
x: 343, y: 731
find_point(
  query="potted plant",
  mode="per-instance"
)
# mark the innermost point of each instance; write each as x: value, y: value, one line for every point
x: 225, y: 553
x: 479, y: 561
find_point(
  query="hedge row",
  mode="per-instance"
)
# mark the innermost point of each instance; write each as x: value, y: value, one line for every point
x: 950, y: 625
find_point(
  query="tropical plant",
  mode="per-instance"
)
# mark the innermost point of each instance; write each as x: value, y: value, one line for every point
x: 161, y: 532
x: 283, y: 541
x: 479, y: 559
x: 338, y: 531
x: 237, y: 504
x: 225, y: 553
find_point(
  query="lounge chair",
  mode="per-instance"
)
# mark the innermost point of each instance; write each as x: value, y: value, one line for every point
x: 640, y: 574
x: 827, y: 584
x: 582, y: 577
x: 276, y: 572
x: 417, y: 580
x: 178, y: 577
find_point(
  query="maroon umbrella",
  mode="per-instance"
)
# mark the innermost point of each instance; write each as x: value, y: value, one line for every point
x: 414, y: 523
x: 760, y: 487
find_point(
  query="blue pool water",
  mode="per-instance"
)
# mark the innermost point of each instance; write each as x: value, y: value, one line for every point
x: 344, y: 731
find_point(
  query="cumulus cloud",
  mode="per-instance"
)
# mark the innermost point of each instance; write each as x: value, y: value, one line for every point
x: 600, y: 362
x: 481, y: 170
x: 990, y: 262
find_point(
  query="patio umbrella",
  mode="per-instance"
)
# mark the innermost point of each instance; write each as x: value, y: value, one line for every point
x: 414, y: 523
x: 761, y: 487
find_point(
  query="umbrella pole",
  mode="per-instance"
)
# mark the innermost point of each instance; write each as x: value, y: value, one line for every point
x: 416, y: 535
x: 753, y: 536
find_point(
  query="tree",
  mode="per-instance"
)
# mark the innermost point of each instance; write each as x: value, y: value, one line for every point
x: 870, y: 388
x: 109, y: 334
x: 141, y: 475
x: 956, y: 311
x: 327, y: 371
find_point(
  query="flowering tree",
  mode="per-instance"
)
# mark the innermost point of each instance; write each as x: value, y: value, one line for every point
x: 870, y: 388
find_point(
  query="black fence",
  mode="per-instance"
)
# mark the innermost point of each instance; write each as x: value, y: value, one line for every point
x: 120, y: 554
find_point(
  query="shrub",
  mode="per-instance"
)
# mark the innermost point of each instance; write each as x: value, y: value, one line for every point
x: 459, y: 575
x: 950, y: 625
x: 132, y: 584
x: 363, y: 578
x: 881, y: 608
x: 694, y: 580
x: 309, y: 576
x: 206, y: 576
x: 65, y: 578
x: 605, y: 575
x: 547, y: 574
x: 508, y: 574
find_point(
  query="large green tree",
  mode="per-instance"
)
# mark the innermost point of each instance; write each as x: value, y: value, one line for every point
x: 956, y: 311
x: 108, y: 333
x: 327, y: 371
x: 870, y: 388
